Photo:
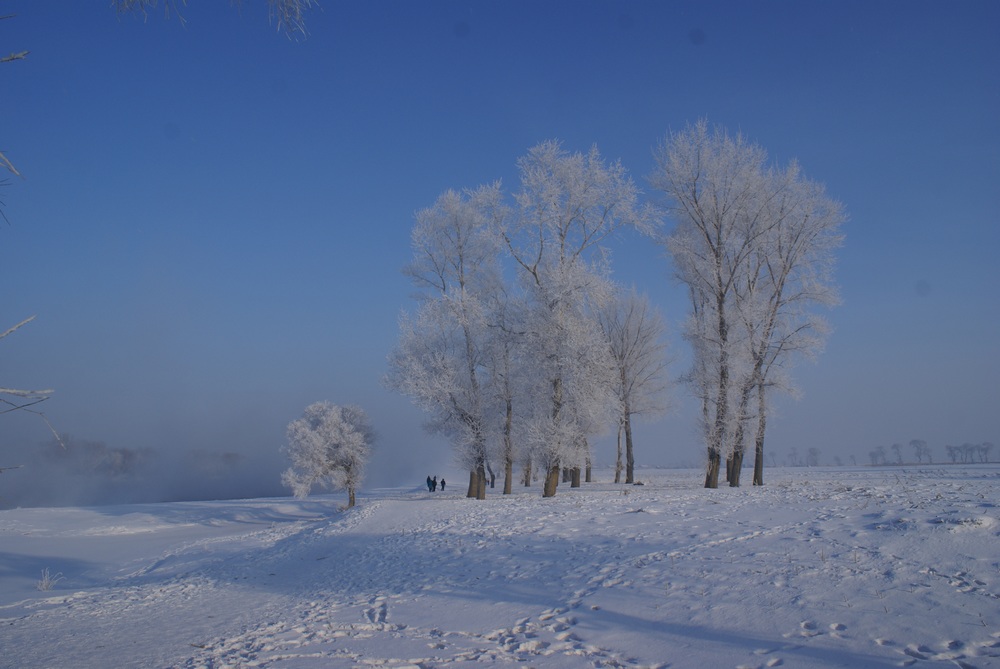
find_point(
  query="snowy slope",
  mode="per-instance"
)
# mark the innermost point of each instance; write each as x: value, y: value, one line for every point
x: 867, y: 567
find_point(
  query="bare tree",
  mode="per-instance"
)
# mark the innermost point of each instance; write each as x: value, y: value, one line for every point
x: 984, y: 451
x: 898, y: 450
x: 635, y: 333
x: 922, y: 450
x: 329, y: 445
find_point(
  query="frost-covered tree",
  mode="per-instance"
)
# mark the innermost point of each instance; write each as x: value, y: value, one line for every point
x: 753, y: 244
x: 329, y: 445
x: 508, y: 377
x: 21, y: 399
x: 789, y: 275
x: 443, y: 358
x: 634, y: 331
x: 567, y: 207
x: 288, y: 15
x: 714, y: 184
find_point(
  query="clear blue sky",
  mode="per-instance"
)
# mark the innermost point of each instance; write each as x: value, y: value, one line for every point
x: 213, y: 217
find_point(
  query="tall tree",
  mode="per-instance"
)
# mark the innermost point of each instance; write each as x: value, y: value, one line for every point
x: 329, y: 445
x: 509, y: 376
x: 442, y: 359
x: 714, y: 184
x: 754, y: 245
x: 634, y: 331
x: 788, y: 275
x: 567, y: 207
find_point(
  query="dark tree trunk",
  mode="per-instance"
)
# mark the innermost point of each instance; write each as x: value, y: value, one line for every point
x: 618, y: 459
x: 551, y: 481
x: 350, y: 498
x: 629, y: 455
x: 758, y: 463
x: 712, y: 472
x: 737, y: 467
x: 527, y: 474
x: 493, y: 476
x: 589, y: 471
x: 574, y: 477
x: 473, y: 484
x: 508, y: 450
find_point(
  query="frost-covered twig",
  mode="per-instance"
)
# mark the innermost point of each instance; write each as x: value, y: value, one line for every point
x: 48, y: 581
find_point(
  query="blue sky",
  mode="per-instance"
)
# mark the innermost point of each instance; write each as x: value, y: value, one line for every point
x: 213, y: 217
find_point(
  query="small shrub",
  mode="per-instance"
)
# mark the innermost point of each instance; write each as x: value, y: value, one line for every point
x: 48, y: 581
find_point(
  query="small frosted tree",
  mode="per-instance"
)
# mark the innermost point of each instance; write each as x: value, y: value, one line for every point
x: 329, y: 445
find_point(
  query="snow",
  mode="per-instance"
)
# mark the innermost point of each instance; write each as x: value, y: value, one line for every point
x: 840, y: 567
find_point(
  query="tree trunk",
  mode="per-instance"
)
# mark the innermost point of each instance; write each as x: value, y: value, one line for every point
x: 551, y: 481
x: 473, y: 484
x: 508, y: 450
x: 350, y: 498
x: 481, y: 475
x: 758, y: 463
x: 527, y: 474
x: 589, y: 471
x: 737, y: 467
x: 574, y: 477
x: 629, y: 456
x: 717, y: 435
x: 508, y: 476
x: 618, y: 459
x: 712, y: 472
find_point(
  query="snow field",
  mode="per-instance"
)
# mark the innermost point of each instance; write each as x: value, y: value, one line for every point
x: 867, y: 567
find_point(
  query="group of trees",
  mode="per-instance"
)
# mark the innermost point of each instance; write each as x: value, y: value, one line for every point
x: 966, y: 453
x: 754, y: 245
x: 528, y: 370
x: 522, y: 348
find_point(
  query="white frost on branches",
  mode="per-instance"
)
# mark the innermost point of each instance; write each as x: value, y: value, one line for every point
x: 755, y: 245
x: 329, y: 445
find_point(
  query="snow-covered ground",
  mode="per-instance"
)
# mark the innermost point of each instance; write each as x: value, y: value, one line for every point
x: 866, y: 567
